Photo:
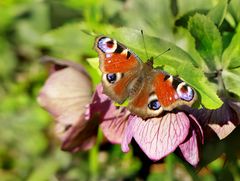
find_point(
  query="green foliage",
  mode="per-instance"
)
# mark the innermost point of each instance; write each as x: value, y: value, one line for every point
x: 207, y: 39
x: 204, y: 39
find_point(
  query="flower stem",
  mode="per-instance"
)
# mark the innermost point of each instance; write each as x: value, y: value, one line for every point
x: 93, y: 158
x: 170, y: 167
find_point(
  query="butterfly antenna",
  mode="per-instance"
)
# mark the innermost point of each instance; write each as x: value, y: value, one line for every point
x: 161, y: 53
x: 144, y: 44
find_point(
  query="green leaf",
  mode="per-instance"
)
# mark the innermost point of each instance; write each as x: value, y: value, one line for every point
x: 7, y: 59
x: 234, y: 63
x: 218, y: 13
x: 154, y: 17
x: 234, y: 9
x: 231, y: 79
x: 208, y: 40
x: 183, y: 20
x: 93, y: 69
x: 68, y: 41
x: 232, y: 52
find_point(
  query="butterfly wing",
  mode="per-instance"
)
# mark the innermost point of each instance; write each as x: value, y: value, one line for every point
x: 120, y: 68
x: 158, y: 92
x: 172, y: 91
x: 150, y: 91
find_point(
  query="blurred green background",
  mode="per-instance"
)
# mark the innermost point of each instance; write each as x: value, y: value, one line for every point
x: 30, y: 29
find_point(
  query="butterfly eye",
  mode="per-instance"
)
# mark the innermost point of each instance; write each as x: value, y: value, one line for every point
x: 112, y: 78
x: 154, y: 105
x: 107, y: 45
x: 110, y: 44
x: 185, y: 92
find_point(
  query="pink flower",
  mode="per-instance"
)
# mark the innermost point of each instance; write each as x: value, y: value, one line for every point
x: 160, y: 136
x: 67, y: 96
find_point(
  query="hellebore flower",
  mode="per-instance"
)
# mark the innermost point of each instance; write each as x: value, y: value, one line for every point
x: 67, y: 96
x: 223, y: 120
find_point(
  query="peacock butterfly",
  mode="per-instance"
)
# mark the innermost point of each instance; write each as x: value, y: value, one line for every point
x: 150, y: 91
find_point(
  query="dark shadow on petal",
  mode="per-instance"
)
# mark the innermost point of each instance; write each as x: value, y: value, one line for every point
x: 81, y: 136
x: 222, y: 121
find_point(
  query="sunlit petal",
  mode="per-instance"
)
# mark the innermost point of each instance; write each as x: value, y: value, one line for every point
x: 160, y: 136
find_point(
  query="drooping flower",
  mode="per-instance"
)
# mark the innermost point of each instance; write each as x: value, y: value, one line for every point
x: 67, y: 96
x: 222, y: 120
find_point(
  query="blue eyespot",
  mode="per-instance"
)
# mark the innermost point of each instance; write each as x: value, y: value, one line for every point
x: 186, y: 93
x: 154, y: 105
x: 111, y: 78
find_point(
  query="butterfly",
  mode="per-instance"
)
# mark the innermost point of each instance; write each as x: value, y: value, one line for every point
x: 125, y: 76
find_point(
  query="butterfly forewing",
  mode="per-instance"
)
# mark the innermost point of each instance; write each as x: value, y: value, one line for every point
x: 116, y: 59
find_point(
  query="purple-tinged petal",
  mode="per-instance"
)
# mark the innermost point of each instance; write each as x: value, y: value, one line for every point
x: 113, y: 120
x: 114, y: 124
x: 222, y: 121
x: 189, y: 148
x: 81, y: 136
x: 235, y: 105
x: 128, y: 134
x: 158, y: 137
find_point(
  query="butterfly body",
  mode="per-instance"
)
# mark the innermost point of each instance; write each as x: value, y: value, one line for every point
x: 150, y: 91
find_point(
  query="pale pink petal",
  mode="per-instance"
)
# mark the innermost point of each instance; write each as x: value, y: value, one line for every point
x: 128, y: 134
x: 113, y: 120
x: 189, y: 148
x: 114, y: 124
x: 157, y: 137
x: 222, y: 131
x: 65, y: 95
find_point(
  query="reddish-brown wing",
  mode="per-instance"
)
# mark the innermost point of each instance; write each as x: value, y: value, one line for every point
x: 172, y: 91
x: 120, y: 67
x: 158, y: 92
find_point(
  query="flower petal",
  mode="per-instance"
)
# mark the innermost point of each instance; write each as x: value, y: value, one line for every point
x: 223, y: 120
x: 114, y: 124
x: 57, y: 64
x: 81, y: 136
x: 65, y: 95
x: 157, y: 137
x: 235, y: 105
x: 189, y: 148
x: 113, y: 120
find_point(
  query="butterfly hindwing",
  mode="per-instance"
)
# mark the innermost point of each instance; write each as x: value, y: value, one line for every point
x: 172, y: 91
x: 160, y: 92
x: 143, y: 100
